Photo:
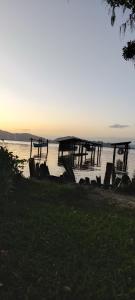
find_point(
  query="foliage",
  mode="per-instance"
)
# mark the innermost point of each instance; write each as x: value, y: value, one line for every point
x: 129, y: 51
x: 10, y: 168
x: 129, y: 6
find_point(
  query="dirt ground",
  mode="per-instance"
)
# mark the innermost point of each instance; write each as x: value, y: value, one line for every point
x: 117, y: 198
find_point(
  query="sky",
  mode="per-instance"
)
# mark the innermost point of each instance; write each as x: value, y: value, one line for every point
x: 62, y: 71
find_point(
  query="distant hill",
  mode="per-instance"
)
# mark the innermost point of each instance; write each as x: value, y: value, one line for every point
x: 25, y: 137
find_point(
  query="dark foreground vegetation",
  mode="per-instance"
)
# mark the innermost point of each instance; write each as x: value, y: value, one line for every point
x: 65, y: 242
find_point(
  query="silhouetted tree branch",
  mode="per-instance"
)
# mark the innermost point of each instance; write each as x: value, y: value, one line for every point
x: 129, y: 6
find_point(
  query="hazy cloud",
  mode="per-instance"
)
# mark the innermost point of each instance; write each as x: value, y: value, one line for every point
x: 22, y: 130
x: 118, y: 126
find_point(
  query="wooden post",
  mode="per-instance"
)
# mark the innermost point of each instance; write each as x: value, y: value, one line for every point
x: 114, y: 154
x: 30, y: 147
x: 74, y: 149
x: 113, y: 171
x: 47, y: 147
x: 40, y: 151
x: 81, y: 156
x: 32, y: 167
x: 93, y: 162
x: 79, y: 149
x: 97, y: 155
x: 91, y: 154
x: 108, y: 173
x: 100, y: 151
x: 85, y: 153
x: 125, y: 158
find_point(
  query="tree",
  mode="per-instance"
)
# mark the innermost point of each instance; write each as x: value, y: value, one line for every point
x: 129, y: 7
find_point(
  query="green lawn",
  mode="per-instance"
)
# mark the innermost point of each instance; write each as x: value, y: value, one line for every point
x: 62, y: 242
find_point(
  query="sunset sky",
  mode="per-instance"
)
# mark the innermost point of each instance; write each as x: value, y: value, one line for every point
x: 62, y: 71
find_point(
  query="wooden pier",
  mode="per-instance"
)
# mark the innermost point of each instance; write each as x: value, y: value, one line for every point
x: 39, y: 145
x: 78, y: 149
x: 120, y: 165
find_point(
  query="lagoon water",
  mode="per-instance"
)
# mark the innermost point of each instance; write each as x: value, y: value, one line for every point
x: 22, y: 149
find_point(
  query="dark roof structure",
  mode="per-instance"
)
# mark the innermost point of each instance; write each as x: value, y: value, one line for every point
x: 76, y: 140
x: 70, y: 139
x: 120, y: 144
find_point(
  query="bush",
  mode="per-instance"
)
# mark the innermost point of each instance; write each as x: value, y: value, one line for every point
x: 11, y: 168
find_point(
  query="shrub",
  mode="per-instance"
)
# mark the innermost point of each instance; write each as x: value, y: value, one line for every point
x: 11, y: 168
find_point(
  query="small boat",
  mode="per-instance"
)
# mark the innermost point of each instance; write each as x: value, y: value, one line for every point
x: 40, y: 145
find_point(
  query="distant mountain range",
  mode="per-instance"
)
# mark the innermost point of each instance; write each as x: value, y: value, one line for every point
x: 25, y: 137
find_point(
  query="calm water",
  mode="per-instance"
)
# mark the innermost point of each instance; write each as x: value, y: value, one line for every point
x: 22, y: 149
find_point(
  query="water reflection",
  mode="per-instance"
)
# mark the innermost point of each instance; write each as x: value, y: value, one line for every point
x: 80, y: 162
x: 119, y: 165
x: 88, y: 168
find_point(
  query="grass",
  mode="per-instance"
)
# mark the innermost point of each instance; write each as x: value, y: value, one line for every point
x: 65, y: 242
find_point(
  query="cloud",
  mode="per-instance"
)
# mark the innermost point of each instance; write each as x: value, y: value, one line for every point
x: 117, y: 126
x: 22, y: 130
